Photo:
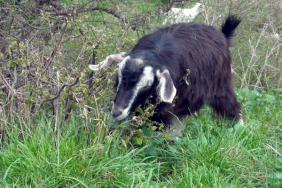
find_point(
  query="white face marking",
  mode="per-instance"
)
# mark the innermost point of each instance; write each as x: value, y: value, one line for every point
x: 147, y: 79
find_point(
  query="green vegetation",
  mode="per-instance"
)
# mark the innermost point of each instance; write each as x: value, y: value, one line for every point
x: 47, y: 152
x: 55, y: 125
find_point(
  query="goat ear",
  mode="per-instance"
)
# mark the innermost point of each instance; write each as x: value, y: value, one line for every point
x: 107, y: 62
x: 166, y: 88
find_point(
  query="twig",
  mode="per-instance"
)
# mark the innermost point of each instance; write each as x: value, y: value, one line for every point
x: 7, y: 84
x: 268, y: 55
x: 274, y: 149
x: 59, y: 92
x: 70, y: 11
x: 253, y: 55
x: 46, y: 82
x: 278, y: 85
x: 55, y: 50
x: 18, y: 79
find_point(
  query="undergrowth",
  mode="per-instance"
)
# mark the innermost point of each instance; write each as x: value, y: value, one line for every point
x: 47, y: 151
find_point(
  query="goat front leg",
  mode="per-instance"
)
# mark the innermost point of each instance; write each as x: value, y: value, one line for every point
x: 176, y: 127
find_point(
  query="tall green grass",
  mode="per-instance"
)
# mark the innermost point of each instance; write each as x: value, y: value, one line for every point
x: 50, y: 152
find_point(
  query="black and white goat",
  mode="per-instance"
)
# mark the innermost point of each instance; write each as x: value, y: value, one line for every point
x: 158, y: 65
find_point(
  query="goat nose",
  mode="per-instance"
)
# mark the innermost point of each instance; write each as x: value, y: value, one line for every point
x: 116, y: 112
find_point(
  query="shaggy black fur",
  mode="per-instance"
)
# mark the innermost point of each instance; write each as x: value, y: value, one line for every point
x: 203, y: 50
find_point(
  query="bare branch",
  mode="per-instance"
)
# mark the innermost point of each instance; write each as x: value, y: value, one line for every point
x: 70, y: 11
x: 59, y: 92
x: 55, y: 50
x: 18, y: 79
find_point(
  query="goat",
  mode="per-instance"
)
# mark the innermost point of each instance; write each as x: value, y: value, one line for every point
x: 177, y: 15
x: 157, y: 67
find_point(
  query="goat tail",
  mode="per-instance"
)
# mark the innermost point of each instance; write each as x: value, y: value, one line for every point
x: 228, y: 27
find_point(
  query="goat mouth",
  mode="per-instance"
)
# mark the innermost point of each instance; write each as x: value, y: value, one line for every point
x: 121, y: 117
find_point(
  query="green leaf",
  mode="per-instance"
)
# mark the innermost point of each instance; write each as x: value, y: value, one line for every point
x: 153, y: 128
x: 136, y: 140
x: 253, y: 94
x: 270, y: 98
x: 278, y: 90
x: 279, y: 159
x: 74, y: 88
x: 140, y: 132
x: 158, y: 140
x: 278, y: 163
x: 166, y: 136
x: 278, y: 175
x: 29, y: 100
x: 64, y: 95
x: 84, y: 85
x: 151, y: 151
x: 244, y: 92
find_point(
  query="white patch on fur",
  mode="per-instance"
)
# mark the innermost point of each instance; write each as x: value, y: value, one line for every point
x: 161, y: 86
x: 107, y: 62
x: 241, y: 119
x: 146, y: 77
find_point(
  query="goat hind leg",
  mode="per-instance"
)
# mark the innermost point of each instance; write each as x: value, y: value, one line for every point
x: 227, y: 106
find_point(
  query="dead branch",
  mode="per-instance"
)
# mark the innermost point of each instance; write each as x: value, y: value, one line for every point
x: 55, y: 50
x: 59, y: 92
